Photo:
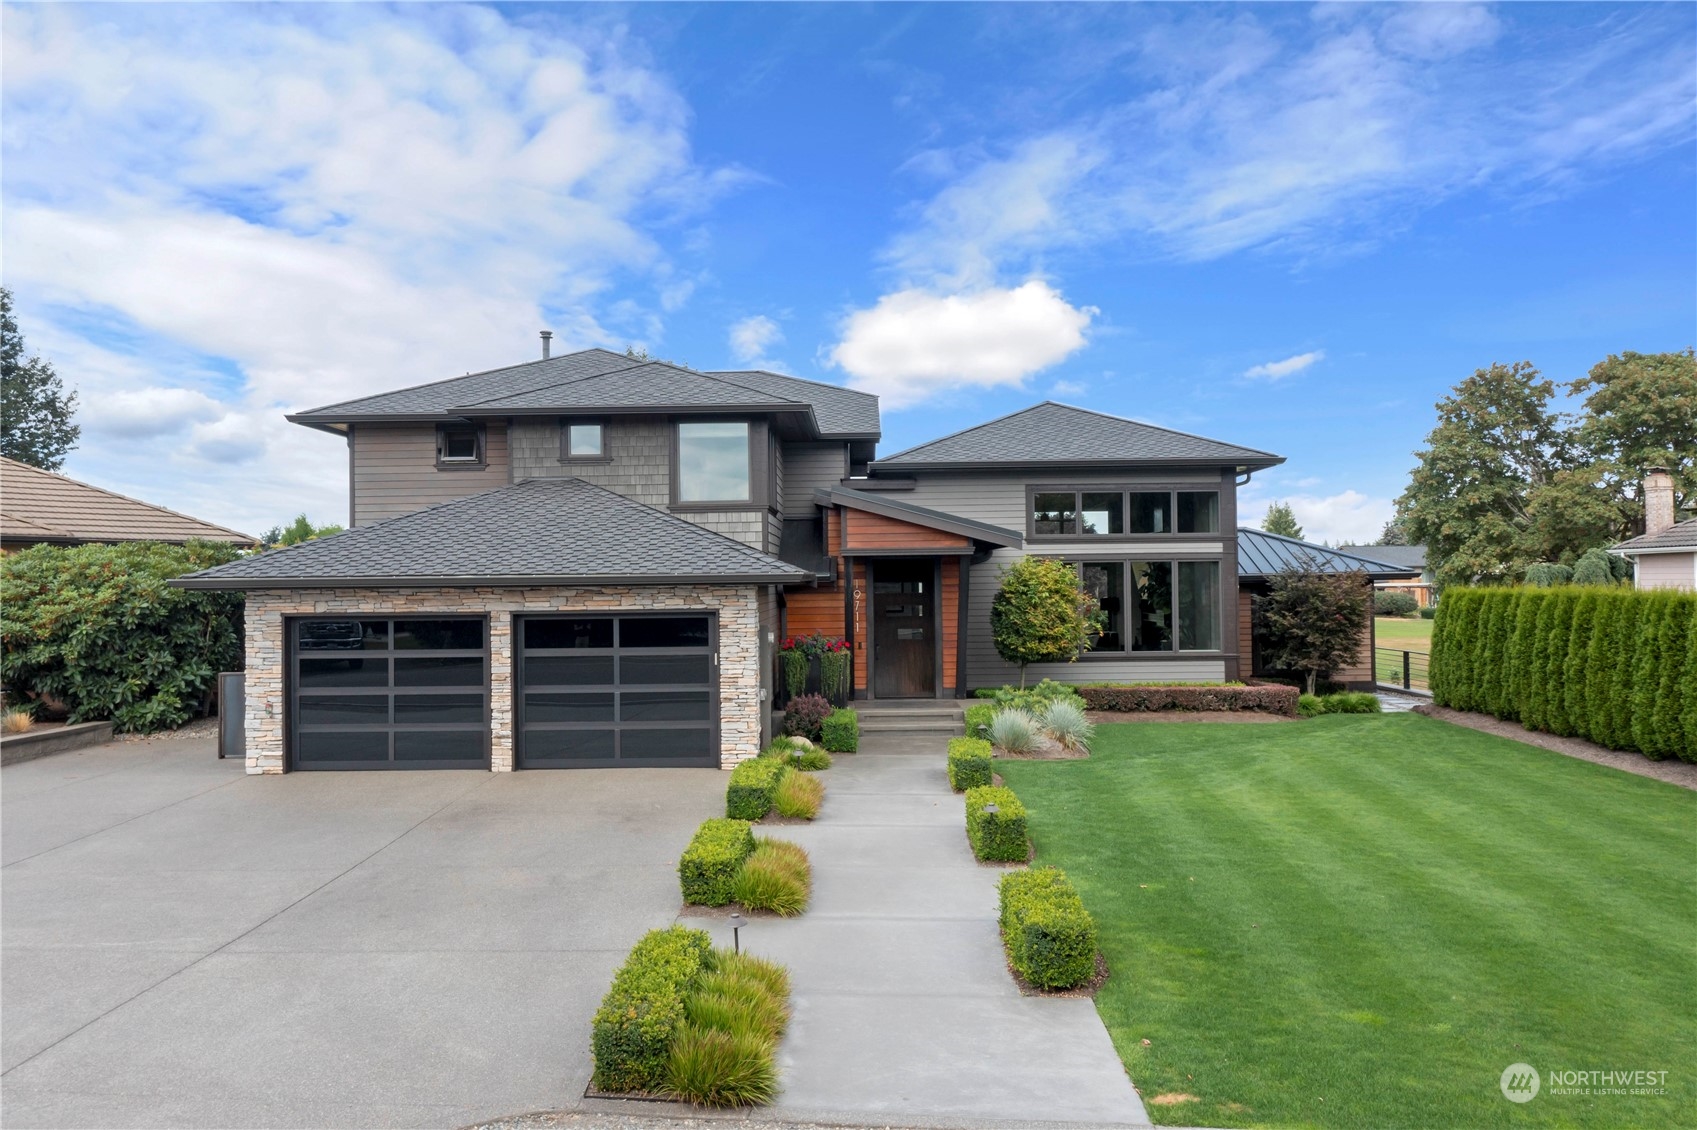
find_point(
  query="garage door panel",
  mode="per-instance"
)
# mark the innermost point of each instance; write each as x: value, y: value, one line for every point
x: 380, y: 693
x: 651, y: 677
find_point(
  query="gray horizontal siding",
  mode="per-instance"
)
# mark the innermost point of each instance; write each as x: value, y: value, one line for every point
x: 809, y: 467
x: 394, y: 470
x: 641, y: 465
x: 1000, y: 499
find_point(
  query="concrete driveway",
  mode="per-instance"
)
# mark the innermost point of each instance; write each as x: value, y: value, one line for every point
x: 185, y: 945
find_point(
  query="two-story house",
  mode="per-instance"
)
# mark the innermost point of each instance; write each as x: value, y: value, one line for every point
x: 588, y: 560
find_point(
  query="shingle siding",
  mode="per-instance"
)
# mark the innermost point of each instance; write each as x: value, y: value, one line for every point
x: 395, y: 473
x: 641, y: 465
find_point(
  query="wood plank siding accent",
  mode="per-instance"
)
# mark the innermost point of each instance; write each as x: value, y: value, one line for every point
x: 394, y: 470
x: 871, y: 532
x: 862, y: 627
x: 948, y: 618
x: 809, y: 610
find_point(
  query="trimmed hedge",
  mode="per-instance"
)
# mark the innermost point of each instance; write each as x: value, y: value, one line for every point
x: 708, y: 868
x: 754, y: 784
x: 643, y: 1010
x: 1615, y: 666
x: 978, y: 718
x: 969, y: 763
x: 1344, y: 702
x: 1133, y: 700
x: 1050, y: 937
x: 999, y: 836
x: 840, y: 732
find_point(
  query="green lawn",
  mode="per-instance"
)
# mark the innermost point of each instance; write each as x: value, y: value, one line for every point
x: 1403, y: 634
x: 1362, y: 920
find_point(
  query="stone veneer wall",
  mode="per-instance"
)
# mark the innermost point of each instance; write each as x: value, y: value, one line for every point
x: 740, y: 706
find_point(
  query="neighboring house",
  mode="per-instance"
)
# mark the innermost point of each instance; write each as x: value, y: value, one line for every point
x: 588, y: 560
x: 1664, y: 556
x: 39, y: 506
x: 1416, y: 577
x: 1261, y: 555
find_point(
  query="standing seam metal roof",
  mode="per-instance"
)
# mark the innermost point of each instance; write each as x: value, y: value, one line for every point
x: 1261, y: 554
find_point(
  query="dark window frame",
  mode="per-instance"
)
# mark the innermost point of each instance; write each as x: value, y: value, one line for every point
x: 617, y: 688
x: 759, y: 472
x: 482, y: 438
x: 566, y: 455
x: 1171, y: 489
x: 293, y: 692
x: 1124, y: 560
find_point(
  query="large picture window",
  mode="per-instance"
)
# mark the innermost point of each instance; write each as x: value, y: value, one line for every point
x: 713, y: 462
x: 1143, y: 610
x: 1124, y: 513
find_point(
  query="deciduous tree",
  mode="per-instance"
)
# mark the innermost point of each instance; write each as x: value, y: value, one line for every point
x: 1042, y: 614
x: 1313, y: 621
x: 36, y: 424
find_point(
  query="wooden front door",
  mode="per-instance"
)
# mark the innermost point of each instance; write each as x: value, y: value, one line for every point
x: 904, y: 627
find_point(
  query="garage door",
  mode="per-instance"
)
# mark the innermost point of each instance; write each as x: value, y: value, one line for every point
x: 385, y: 693
x: 602, y: 691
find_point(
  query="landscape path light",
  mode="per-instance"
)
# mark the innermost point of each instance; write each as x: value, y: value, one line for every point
x: 737, y: 923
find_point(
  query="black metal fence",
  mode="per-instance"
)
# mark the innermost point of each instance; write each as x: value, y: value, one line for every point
x: 1410, y: 670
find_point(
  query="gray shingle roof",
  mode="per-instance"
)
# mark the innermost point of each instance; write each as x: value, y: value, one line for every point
x: 653, y: 385
x: 1260, y: 554
x: 1051, y: 433
x: 1411, y: 556
x: 544, y: 385
x: 1680, y: 535
x: 540, y: 531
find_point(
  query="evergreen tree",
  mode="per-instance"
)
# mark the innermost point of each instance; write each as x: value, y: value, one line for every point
x: 1281, y: 520
x: 1688, y: 707
x: 36, y: 424
x: 1540, y: 675
x: 1677, y: 678
x: 1566, y: 623
x: 1601, y: 661
x: 1647, y: 673
x: 1621, y: 666
x: 1522, y: 657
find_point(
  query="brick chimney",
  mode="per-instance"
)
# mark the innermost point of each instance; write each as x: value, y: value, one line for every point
x: 1658, y: 500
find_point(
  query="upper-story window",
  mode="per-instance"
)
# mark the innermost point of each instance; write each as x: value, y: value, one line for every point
x: 459, y: 445
x: 1118, y: 513
x: 714, y: 463
x: 583, y: 440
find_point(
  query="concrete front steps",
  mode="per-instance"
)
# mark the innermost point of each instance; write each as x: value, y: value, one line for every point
x: 911, y: 715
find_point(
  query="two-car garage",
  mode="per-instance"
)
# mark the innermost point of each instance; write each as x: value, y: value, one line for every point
x: 589, y: 691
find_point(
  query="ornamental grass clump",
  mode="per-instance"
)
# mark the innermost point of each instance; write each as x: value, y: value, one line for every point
x: 811, y: 760
x: 1065, y: 723
x: 1015, y: 731
x: 724, y: 1053
x: 16, y: 721
x: 799, y: 796
x: 777, y: 877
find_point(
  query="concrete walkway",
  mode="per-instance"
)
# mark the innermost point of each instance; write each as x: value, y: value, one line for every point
x: 904, y: 1009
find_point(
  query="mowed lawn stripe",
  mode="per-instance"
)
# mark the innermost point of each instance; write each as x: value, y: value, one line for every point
x: 1383, y: 908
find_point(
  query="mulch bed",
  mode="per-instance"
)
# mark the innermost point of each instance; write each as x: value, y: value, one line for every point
x: 1047, y: 750
x: 1681, y: 773
x: 1088, y: 989
x: 773, y: 818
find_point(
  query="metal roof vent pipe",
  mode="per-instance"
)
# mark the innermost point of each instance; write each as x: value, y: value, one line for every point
x: 547, y: 342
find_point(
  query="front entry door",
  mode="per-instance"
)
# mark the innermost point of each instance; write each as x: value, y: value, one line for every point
x: 904, y: 619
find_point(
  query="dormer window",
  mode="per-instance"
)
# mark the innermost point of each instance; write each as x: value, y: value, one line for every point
x: 583, y: 441
x: 459, y: 445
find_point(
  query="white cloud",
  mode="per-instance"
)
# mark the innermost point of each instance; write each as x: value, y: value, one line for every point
x: 752, y: 337
x: 1069, y: 388
x: 913, y: 344
x: 1276, y: 370
x: 1345, y: 518
x: 313, y: 204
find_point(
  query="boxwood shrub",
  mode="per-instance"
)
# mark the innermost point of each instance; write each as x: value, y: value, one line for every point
x: 644, y: 1009
x: 978, y: 718
x: 969, y: 763
x: 840, y: 732
x: 1050, y: 937
x: 708, y: 869
x: 753, y: 785
x: 998, y: 836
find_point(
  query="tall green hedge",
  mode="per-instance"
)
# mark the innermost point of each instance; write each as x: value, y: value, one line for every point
x: 1616, y: 666
x: 97, y: 627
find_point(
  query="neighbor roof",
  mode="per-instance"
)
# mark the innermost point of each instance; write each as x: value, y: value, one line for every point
x: 1050, y: 433
x: 1260, y: 554
x: 41, y: 506
x: 540, y: 531
x: 1413, y: 556
x: 548, y: 385
x: 1677, y: 537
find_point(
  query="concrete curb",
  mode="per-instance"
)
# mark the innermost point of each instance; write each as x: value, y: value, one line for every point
x: 45, y: 743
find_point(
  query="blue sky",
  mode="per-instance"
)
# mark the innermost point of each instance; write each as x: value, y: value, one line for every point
x: 1284, y: 226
